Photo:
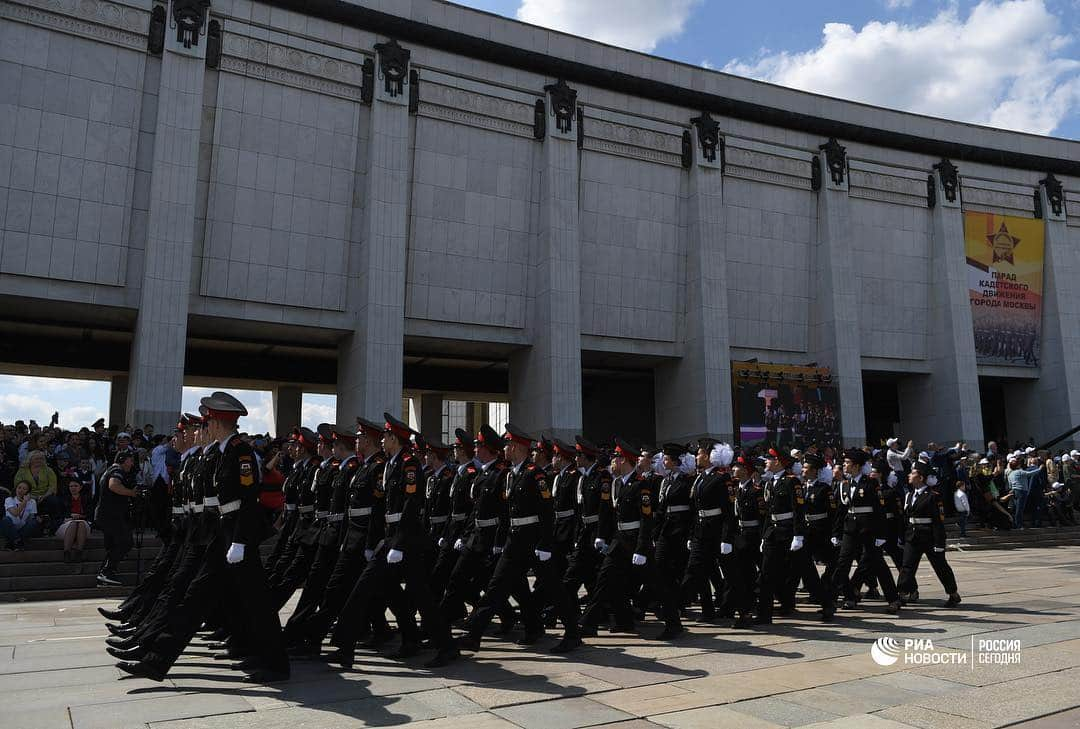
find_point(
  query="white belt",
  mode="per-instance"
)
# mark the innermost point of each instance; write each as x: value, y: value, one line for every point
x: 524, y: 521
x: 196, y: 508
x: 459, y: 517
x: 363, y: 511
x: 921, y: 520
x: 305, y: 509
x: 590, y: 519
x: 290, y: 507
x: 178, y: 510
x: 678, y: 508
x: 438, y: 519
x: 816, y: 517
x: 862, y: 510
x: 749, y: 523
x: 783, y: 517
x: 564, y: 514
x: 335, y: 518
x: 706, y: 513
x: 321, y: 514
x: 626, y: 526
x: 211, y: 501
x: 230, y: 507
x: 890, y: 515
x: 393, y: 518
x: 483, y: 523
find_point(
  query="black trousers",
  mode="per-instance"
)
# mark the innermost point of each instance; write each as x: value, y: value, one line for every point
x: 118, y: 542
x: 816, y: 548
x: 288, y: 554
x: 612, y: 591
x: 775, y: 570
x: 870, y: 558
x: 470, y: 575
x: 703, y: 561
x: 322, y: 566
x: 555, y: 569
x: 347, y: 570
x: 281, y: 589
x: 188, y: 564
x: 913, y: 552
x: 583, y: 565
x: 288, y: 524
x: 156, y: 577
x: 669, y: 565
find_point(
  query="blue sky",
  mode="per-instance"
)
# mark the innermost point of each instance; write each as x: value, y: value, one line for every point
x: 1013, y: 64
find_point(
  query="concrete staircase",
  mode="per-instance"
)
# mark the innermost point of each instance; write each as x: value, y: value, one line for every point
x: 980, y: 539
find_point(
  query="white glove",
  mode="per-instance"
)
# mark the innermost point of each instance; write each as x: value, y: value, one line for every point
x: 599, y: 544
x: 879, y: 542
x: 496, y: 550
x: 796, y: 543
x: 725, y: 548
x: 442, y: 542
x: 835, y: 541
x: 939, y: 549
x: 459, y: 546
x: 542, y: 555
x: 394, y: 556
x: 639, y: 560
x: 235, y: 553
x: 368, y: 554
x: 899, y: 542
x: 761, y: 547
x: 688, y: 543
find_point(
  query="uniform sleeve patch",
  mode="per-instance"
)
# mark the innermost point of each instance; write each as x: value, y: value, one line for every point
x: 247, y: 476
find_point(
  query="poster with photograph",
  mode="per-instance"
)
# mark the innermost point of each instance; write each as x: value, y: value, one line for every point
x: 787, y: 406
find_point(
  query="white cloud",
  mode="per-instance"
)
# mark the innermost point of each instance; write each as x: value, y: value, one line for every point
x: 1005, y: 64
x: 634, y: 24
x: 259, y: 404
x: 317, y: 409
x: 79, y: 402
x: 897, y: 4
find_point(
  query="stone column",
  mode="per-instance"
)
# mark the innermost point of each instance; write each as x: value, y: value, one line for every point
x: 1058, y: 387
x: 431, y: 414
x: 370, y: 360
x: 834, y: 309
x: 945, y: 407
x: 545, y: 379
x: 157, y: 351
x: 118, y: 392
x: 288, y: 402
x: 693, y: 394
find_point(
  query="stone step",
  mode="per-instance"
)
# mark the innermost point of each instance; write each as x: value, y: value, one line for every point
x: 57, y: 582
x: 77, y: 593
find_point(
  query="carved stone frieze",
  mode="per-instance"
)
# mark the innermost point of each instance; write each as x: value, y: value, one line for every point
x: 97, y: 19
x: 289, y: 78
x: 293, y: 67
x: 774, y: 169
x: 479, y: 110
x: 887, y: 188
x: 984, y: 197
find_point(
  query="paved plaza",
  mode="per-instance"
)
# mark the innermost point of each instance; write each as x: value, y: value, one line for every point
x: 55, y: 674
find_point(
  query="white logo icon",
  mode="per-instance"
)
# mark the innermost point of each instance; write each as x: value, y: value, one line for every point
x: 885, y: 651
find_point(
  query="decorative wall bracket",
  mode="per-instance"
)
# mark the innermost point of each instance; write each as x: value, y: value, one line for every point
x: 710, y: 143
x: 950, y: 179
x: 393, y: 67
x: 1054, y: 195
x: 188, y: 17
x: 213, y: 44
x: 155, y: 37
x: 815, y: 172
x: 367, y: 81
x: 539, y: 119
x: 835, y: 161
x: 563, y: 105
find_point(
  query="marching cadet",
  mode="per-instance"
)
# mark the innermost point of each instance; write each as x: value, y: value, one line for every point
x: 526, y: 539
x: 593, y: 496
x: 440, y: 477
x: 750, y: 516
x: 711, y: 543
x: 924, y: 515
x: 321, y: 488
x: 672, y: 529
x: 477, y: 546
x: 542, y: 453
x: 892, y: 500
x: 361, y: 523
x: 460, y: 507
x: 344, y: 465
x: 564, y: 481
x: 820, y: 515
x: 291, y: 491
x: 861, y: 525
x: 401, y: 557
x: 626, y: 531
x: 642, y: 577
x: 232, y: 566
x: 783, y: 534
x: 301, y: 548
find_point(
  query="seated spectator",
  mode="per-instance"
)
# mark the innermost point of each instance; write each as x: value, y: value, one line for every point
x: 42, y: 479
x: 960, y: 500
x: 20, y: 520
x: 75, y: 528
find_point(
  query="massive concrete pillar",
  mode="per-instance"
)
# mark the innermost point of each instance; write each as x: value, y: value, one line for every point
x: 288, y: 402
x: 370, y: 360
x: 157, y: 352
x: 431, y: 414
x: 545, y: 379
x: 693, y: 394
x: 834, y: 309
x: 945, y: 407
x: 1058, y: 387
x: 118, y: 391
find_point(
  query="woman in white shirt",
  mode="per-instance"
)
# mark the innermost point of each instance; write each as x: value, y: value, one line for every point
x: 20, y: 517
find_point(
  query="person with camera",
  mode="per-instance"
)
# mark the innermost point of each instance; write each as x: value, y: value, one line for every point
x: 113, y: 515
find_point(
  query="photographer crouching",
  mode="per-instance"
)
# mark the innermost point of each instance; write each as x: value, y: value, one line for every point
x: 113, y: 515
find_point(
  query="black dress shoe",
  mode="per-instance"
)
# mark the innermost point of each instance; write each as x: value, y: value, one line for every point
x: 378, y: 638
x: 953, y: 601
x: 468, y: 643
x: 671, y: 632
x: 142, y: 670
x: 117, y: 642
x: 587, y: 631
x: 122, y: 629
x: 341, y: 657
x: 530, y: 638
x: 893, y: 608
x: 743, y: 621
x: 218, y: 636
x: 265, y: 675
x: 567, y: 644
x: 624, y: 628
x: 762, y: 620
x: 444, y: 657
x: 112, y: 614
x: 827, y: 615
x: 127, y: 654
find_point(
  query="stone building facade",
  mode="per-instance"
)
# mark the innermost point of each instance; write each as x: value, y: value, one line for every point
x: 336, y: 195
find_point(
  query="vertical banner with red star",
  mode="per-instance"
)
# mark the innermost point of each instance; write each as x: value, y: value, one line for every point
x: 1005, y: 282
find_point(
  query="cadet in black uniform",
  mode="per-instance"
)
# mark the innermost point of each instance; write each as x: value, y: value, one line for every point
x: 750, y: 516
x: 526, y: 540
x: 564, y: 480
x: 232, y: 565
x: 440, y: 477
x: 460, y: 503
x: 924, y: 515
x: 626, y: 529
x: 295, y: 562
x: 672, y: 529
x: 401, y: 557
x: 290, y: 489
x: 783, y: 534
x: 593, y: 496
x: 892, y: 501
x: 861, y: 524
x: 820, y: 515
